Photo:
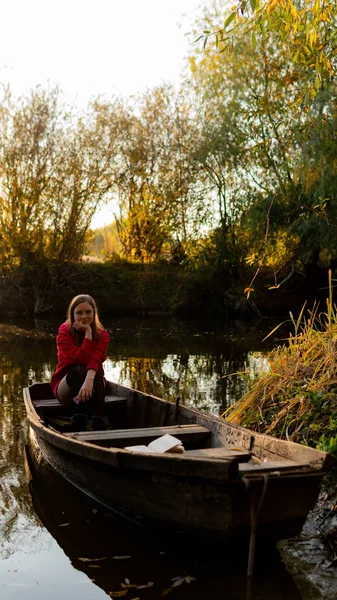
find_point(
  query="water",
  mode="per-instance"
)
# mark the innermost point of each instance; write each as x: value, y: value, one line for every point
x: 47, y: 528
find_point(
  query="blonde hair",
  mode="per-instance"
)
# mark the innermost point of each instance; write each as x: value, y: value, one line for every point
x: 96, y: 325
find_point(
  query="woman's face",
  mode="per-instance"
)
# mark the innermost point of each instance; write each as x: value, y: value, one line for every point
x: 84, y: 313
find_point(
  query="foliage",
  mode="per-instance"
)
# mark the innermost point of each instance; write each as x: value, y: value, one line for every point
x: 326, y: 443
x: 155, y: 176
x: 276, y: 157
x: 296, y: 397
x: 104, y: 243
x: 231, y: 176
x: 53, y: 176
x: 306, y: 29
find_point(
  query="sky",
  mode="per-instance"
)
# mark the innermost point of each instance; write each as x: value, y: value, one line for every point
x: 94, y: 47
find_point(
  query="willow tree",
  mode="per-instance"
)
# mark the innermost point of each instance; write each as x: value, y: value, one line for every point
x: 54, y: 172
x: 257, y: 131
x: 305, y: 29
x: 156, y: 177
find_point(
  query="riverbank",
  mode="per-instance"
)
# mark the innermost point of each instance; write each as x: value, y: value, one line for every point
x: 311, y: 558
x: 121, y: 287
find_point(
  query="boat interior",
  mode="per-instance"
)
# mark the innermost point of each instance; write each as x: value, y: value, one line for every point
x: 134, y: 418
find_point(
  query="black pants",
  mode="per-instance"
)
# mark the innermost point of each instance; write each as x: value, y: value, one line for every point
x: 75, y: 379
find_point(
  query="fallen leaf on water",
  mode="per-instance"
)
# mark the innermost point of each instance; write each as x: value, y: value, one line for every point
x: 64, y: 524
x: 118, y: 594
x: 94, y: 566
x: 92, y: 559
x: 147, y: 585
x: 178, y: 582
x: 121, y: 557
x: 129, y: 585
x: 167, y: 591
x: 189, y: 578
x: 135, y: 598
x: 141, y: 587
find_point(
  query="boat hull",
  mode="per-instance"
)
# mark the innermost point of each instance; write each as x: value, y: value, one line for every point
x: 204, y: 496
x: 210, y: 509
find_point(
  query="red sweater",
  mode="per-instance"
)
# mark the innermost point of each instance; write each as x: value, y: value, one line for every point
x: 91, y: 354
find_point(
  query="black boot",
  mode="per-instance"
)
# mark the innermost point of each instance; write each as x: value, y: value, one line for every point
x: 98, y: 420
x: 79, y: 422
x: 99, y: 423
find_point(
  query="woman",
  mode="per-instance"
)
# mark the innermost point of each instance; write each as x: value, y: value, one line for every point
x: 82, y: 344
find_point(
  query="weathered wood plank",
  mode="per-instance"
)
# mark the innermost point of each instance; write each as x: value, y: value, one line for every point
x: 153, y: 414
x: 271, y: 466
x: 162, y: 414
x: 54, y: 403
x: 178, y: 465
x: 221, y: 453
x: 115, y: 400
x: 127, y: 437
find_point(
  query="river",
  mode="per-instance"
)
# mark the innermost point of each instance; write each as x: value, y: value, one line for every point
x: 53, y: 543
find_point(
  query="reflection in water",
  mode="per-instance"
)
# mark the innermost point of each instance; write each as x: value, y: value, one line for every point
x: 113, y: 555
x: 21, y: 360
x: 160, y: 357
x: 200, y: 380
x: 190, y: 361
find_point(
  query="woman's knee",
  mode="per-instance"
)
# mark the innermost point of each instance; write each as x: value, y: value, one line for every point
x: 75, y: 378
x: 64, y: 393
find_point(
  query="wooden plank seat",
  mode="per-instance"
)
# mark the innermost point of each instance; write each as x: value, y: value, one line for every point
x: 54, y: 403
x: 221, y: 453
x: 272, y: 466
x: 119, y: 438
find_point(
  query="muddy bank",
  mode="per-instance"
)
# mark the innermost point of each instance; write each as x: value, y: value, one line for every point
x: 311, y: 558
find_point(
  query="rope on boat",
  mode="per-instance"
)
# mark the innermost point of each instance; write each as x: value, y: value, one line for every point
x: 255, y: 509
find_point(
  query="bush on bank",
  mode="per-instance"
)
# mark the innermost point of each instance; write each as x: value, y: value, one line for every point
x: 124, y: 287
x: 118, y: 286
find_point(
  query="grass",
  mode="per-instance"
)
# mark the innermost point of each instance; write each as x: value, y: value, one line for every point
x: 296, y: 398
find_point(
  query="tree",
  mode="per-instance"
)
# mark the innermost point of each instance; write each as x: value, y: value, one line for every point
x: 260, y: 138
x: 54, y: 172
x: 104, y: 243
x: 156, y: 175
x: 305, y: 29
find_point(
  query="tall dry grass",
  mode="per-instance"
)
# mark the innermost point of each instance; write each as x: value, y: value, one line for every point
x: 296, y: 398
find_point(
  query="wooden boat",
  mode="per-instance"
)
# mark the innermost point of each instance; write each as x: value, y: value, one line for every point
x: 142, y: 555
x: 228, y: 479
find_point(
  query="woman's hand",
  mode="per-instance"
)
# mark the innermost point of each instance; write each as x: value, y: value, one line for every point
x: 86, y: 390
x: 83, y: 327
